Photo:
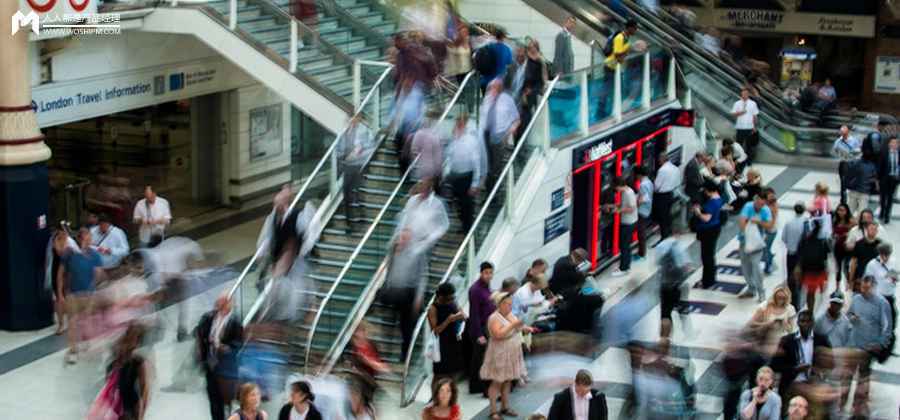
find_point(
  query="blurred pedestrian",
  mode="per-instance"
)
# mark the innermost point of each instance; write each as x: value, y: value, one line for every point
x: 77, y: 282
x: 426, y: 146
x: 465, y: 169
x: 126, y: 392
x: 480, y: 308
x: 406, y: 115
x: 563, y: 54
x: 367, y: 364
x: 800, y: 354
x: 745, y: 110
x: 503, y: 359
x: 443, y: 404
x: 674, y: 268
x: 813, y: 262
x: 869, y: 315
x: 888, y: 178
x: 166, y: 266
x: 219, y: 337
x: 498, y: 119
x: 287, y: 237
x: 798, y: 408
x: 152, y: 214
x: 884, y: 270
x: 760, y: 402
x: 459, y: 56
x: 740, y: 362
x: 422, y: 222
x: 862, y: 182
x: 354, y: 149
x: 492, y: 59
x: 249, y: 399
x: 644, y: 208
x: 580, y: 401
x: 445, y: 320
x: 301, y: 404
x: 792, y: 234
x: 774, y: 319
x: 709, y: 226
x: 835, y: 325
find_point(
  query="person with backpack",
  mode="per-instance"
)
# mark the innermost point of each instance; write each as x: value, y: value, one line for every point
x: 813, y: 265
x: 492, y: 59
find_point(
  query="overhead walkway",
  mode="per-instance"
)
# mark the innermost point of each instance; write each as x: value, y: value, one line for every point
x: 713, y: 84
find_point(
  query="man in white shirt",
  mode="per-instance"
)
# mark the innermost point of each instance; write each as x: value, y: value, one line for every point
x: 464, y: 169
x: 530, y: 296
x: 628, y: 217
x: 109, y: 241
x: 499, y: 121
x: 152, y: 214
x: 668, y: 178
x: 846, y: 148
x: 745, y: 111
x: 884, y: 270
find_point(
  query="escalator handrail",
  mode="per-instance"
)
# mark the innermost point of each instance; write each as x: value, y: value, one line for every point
x: 333, y: 353
x: 470, y: 236
x: 312, y: 175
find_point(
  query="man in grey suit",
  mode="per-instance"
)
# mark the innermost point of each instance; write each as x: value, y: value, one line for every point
x: 563, y: 55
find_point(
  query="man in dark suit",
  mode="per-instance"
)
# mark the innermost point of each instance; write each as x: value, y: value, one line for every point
x: 219, y: 338
x: 799, y: 353
x: 580, y: 402
x: 888, y: 178
x: 693, y: 179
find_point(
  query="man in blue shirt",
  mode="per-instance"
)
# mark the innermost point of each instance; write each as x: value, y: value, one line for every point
x: 846, y: 148
x: 81, y: 269
x: 754, y: 215
x: 503, y: 57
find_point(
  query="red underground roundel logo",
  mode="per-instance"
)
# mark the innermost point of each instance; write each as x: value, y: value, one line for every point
x: 49, y: 4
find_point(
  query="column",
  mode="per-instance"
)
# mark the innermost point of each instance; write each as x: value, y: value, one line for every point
x: 25, y: 303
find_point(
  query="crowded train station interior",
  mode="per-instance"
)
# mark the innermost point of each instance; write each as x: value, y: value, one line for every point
x: 449, y: 209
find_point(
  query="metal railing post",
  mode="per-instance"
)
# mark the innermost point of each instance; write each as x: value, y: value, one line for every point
x: 688, y: 99
x: 376, y: 118
x: 583, y: 106
x: 703, y: 130
x: 544, y: 130
x: 357, y: 83
x: 232, y: 15
x: 510, y: 197
x: 671, y: 91
x: 293, y: 54
x: 617, y: 92
x: 646, y: 94
x: 471, y: 264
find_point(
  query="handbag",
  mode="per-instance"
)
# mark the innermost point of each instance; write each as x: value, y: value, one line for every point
x: 108, y: 404
x: 753, y: 240
x: 433, y: 348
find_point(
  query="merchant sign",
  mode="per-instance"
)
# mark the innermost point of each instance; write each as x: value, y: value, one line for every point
x: 787, y: 22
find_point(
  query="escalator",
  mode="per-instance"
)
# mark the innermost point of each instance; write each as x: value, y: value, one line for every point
x: 714, y: 88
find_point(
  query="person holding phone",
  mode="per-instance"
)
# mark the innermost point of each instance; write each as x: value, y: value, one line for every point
x: 760, y: 402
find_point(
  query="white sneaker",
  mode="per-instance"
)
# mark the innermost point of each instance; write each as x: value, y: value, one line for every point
x: 620, y: 273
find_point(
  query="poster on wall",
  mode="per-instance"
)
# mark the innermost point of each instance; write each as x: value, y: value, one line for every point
x: 265, y: 132
x: 887, y: 75
x: 555, y: 225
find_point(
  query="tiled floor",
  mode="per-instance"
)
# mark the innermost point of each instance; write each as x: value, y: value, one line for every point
x: 25, y: 389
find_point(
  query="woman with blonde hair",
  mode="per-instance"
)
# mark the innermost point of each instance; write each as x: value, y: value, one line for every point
x: 774, y: 319
x: 249, y: 399
x: 503, y: 360
x: 821, y: 204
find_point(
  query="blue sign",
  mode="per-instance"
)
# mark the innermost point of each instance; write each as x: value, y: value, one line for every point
x: 557, y: 199
x: 555, y: 226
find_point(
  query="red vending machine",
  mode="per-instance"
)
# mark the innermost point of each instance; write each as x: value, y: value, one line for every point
x: 594, y: 166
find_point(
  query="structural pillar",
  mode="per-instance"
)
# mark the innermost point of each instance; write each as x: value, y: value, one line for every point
x: 25, y: 302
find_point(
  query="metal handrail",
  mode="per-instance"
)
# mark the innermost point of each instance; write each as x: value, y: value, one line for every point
x: 312, y: 175
x: 471, y: 234
x: 333, y: 354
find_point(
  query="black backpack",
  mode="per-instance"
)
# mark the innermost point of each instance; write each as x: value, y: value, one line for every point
x: 485, y: 60
x: 813, y: 251
x: 610, y: 42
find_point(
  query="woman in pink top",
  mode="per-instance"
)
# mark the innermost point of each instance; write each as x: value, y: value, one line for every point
x: 821, y: 204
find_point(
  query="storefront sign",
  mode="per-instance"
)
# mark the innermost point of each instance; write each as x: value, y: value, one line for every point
x: 62, y: 102
x: 887, y: 75
x: 787, y: 22
x: 598, y: 148
x: 56, y: 9
x: 265, y: 132
x: 555, y: 226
